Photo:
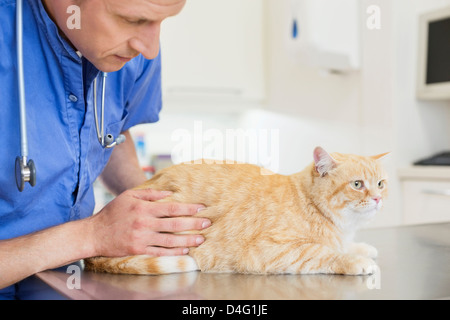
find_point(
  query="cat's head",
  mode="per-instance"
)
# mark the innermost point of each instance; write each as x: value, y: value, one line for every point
x: 351, y: 187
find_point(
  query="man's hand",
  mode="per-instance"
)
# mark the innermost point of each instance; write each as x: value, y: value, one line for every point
x: 133, y: 224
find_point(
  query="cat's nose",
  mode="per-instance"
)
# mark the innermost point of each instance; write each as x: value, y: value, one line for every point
x: 377, y: 199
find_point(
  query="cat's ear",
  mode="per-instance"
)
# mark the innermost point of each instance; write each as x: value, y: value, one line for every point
x: 323, y: 161
x: 381, y: 156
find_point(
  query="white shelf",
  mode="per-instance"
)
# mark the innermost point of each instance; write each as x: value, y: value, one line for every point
x: 424, y: 173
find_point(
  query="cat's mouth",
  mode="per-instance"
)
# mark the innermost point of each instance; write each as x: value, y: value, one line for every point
x: 369, y: 207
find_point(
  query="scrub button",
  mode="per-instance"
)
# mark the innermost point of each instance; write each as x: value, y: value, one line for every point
x: 73, y: 98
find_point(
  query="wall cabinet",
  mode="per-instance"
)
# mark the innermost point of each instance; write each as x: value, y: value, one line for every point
x: 425, y: 194
x: 213, y: 51
x: 333, y: 40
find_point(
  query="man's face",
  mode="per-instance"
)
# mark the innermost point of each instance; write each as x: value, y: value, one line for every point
x: 115, y: 31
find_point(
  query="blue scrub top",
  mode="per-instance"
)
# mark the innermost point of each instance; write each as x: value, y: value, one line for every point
x: 62, y: 137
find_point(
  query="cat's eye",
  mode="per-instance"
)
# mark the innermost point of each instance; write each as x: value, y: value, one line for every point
x: 381, y: 184
x: 357, y: 184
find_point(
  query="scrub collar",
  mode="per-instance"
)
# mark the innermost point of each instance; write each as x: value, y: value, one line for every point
x: 61, y: 46
x: 50, y: 29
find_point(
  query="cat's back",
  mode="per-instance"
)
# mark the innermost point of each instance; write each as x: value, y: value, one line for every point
x: 207, y: 181
x: 203, y: 169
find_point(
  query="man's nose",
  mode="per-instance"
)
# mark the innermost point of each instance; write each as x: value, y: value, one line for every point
x: 147, y: 43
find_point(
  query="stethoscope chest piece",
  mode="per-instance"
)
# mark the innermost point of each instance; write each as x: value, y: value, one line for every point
x: 25, y: 172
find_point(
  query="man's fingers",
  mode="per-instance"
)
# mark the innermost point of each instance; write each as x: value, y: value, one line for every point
x: 180, y: 224
x: 159, y: 251
x: 174, y: 209
x: 166, y: 209
x: 168, y: 240
x: 150, y: 194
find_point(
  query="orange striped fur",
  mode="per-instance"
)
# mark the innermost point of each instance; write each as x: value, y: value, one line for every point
x: 301, y: 223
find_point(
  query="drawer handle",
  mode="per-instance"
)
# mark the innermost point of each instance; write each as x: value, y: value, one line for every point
x: 445, y: 192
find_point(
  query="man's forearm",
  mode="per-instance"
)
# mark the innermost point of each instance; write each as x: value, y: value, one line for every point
x: 123, y: 171
x: 50, y: 248
x: 63, y: 244
x: 45, y: 249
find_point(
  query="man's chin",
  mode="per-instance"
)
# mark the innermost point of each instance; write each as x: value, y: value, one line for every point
x: 112, y: 68
x: 110, y: 65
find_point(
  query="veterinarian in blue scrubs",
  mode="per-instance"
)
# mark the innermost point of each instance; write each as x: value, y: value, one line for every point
x: 51, y: 224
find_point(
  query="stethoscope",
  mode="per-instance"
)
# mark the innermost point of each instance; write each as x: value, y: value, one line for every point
x: 25, y: 170
x: 106, y: 140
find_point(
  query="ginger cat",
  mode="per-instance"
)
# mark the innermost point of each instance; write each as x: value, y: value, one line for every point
x: 303, y: 223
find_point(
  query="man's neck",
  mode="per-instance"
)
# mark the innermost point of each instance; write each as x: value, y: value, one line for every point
x: 51, y: 13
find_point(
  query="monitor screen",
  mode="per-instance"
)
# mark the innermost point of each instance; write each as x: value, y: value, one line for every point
x: 438, y: 53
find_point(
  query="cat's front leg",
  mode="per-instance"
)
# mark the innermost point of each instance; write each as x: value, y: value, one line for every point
x: 352, y: 264
x: 316, y: 258
x: 363, y: 249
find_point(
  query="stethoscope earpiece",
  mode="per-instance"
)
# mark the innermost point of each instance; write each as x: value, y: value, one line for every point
x: 109, y: 141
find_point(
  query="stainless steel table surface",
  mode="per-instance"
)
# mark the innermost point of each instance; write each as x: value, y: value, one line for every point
x: 414, y: 263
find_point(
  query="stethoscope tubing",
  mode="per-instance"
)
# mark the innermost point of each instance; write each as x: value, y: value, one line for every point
x: 25, y: 170
x: 21, y: 82
x: 106, y: 141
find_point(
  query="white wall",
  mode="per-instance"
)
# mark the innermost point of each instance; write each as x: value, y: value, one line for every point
x: 377, y: 104
x: 167, y: 134
x: 299, y: 136
x: 294, y: 85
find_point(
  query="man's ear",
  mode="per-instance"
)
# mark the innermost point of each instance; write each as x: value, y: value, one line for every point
x: 323, y: 161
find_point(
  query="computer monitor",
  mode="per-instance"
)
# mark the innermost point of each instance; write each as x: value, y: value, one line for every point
x: 433, y: 78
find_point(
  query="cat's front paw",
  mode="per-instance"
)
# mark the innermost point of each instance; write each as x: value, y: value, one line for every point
x: 363, y: 249
x: 357, y: 265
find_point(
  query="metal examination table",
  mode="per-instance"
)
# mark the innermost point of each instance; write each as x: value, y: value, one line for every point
x: 414, y: 263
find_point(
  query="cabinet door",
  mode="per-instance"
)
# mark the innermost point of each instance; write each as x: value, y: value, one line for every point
x: 426, y: 201
x: 214, y: 49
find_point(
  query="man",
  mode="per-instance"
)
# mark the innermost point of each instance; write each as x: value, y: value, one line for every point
x: 50, y: 224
